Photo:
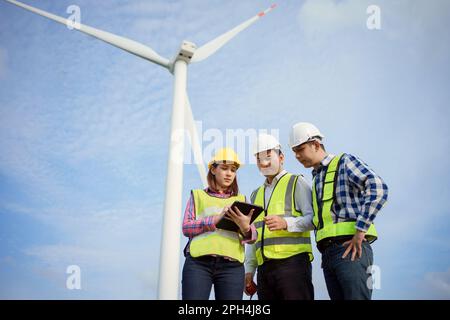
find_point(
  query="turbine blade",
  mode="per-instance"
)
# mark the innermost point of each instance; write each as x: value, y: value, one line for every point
x: 131, y: 46
x: 195, y: 142
x: 209, y: 48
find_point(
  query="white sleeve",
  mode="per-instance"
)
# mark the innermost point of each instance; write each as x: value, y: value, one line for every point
x: 303, y: 203
x: 250, y: 263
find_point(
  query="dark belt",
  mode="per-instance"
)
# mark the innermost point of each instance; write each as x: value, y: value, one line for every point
x: 213, y: 258
x: 323, y: 244
x: 269, y: 262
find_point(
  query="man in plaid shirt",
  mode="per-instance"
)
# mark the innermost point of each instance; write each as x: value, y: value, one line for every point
x: 347, y: 196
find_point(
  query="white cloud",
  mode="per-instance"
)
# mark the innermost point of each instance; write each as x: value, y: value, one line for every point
x: 115, y: 247
x: 105, y: 273
x: 93, y: 223
x: 26, y: 151
x: 401, y: 21
x: 319, y: 18
x: 61, y: 255
x: 436, y: 285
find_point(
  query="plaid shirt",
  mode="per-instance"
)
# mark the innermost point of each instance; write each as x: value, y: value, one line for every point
x: 360, y: 192
x: 193, y: 226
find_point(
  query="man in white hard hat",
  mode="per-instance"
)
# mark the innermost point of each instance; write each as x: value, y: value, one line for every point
x: 347, y: 195
x: 282, y: 254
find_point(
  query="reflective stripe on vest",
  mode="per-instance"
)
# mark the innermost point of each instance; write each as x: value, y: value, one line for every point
x: 323, y: 216
x: 219, y: 242
x: 279, y: 244
x: 283, y: 240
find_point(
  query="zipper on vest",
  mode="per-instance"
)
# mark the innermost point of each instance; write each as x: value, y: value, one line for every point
x: 320, y: 206
x: 336, y: 174
x: 264, y: 224
x: 265, y: 214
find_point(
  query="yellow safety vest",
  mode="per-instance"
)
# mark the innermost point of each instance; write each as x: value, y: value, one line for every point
x: 323, y: 217
x: 279, y: 244
x: 220, y: 242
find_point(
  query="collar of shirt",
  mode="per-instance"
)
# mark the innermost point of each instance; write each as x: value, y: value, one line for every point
x: 274, y: 181
x: 325, y: 162
x: 214, y: 193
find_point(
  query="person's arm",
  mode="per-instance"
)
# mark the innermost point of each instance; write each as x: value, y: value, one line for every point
x: 374, y: 190
x: 250, y: 265
x: 193, y: 227
x: 251, y: 236
x: 247, y: 230
x: 303, y: 203
x: 375, y: 193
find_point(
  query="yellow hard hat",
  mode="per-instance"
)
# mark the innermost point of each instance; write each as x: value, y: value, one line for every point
x: 226, y: 155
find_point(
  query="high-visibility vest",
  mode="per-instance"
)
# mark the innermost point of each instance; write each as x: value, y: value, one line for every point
x: 219, y: 242
x: 279, y: 244
x: 323, y: 219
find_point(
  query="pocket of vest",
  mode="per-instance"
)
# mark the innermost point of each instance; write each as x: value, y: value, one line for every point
x: 277, y: 207
x: 328, y: 192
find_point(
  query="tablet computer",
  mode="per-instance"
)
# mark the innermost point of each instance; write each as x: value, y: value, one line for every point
x: 228, y: 224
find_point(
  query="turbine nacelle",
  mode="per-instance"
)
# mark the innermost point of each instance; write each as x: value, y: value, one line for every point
x: 185, y: 53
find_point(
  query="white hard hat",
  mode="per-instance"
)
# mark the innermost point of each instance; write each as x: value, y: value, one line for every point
x: 304, y: 132
x: 265, y: 142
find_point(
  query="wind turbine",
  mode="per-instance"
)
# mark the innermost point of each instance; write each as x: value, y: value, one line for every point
x: 182, y: 119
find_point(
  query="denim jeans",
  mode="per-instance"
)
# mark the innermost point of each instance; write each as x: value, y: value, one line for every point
x: 286, y: 279
x: 200, y: 274
x: 346, y: 279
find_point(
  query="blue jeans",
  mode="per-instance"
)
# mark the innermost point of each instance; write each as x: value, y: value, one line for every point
x: 346, y: 279
x: 286, y: 279
x: 200, y: 274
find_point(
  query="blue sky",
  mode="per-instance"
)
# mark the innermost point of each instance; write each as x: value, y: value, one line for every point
x: 84, y: 130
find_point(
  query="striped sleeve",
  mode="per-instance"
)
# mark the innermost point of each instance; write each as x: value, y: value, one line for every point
x: 192, y: 226
x: 374, y: 190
